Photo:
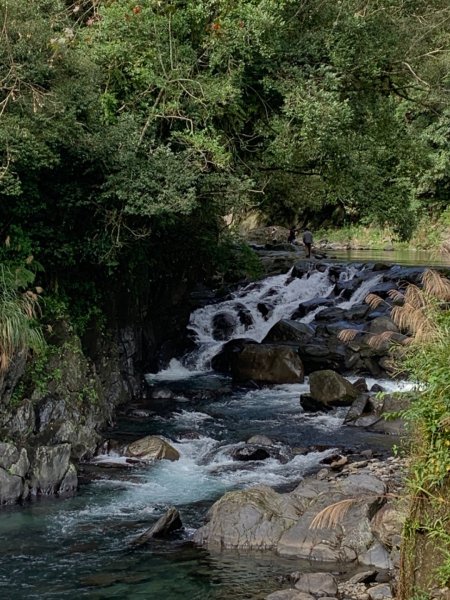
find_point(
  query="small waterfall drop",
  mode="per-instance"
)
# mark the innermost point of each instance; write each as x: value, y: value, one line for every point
x: 254, y: 309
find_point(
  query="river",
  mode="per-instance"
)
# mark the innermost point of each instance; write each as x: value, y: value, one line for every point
x: 80, y: 547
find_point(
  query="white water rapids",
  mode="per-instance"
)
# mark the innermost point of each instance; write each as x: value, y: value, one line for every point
x: 93, y: 529
x: 282, y: 294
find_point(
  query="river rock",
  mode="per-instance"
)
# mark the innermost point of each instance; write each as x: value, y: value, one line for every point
x: 381, y: 324
x: 253, y: 518
x: 151, y: 448
x: 387, y: 525
x: 289, y: 595
x: 250, y: 452
x: 267, y: 364
x: 317, y: 584
x: 169, y: 522
x: 305, y: 308
x: 223, y: 325
x: 376, y: 556
x: 331, y: 388
x: 11, y: 487
x: 261, y: 440
x: 222, y: 361
x: 49, y: 467
x: 380, y: 592
x: 261, y: 452
x: 350, y: 536
x: 289, y: 331
x: 310, y: 404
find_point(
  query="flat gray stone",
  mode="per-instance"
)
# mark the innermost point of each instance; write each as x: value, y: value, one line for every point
x: 380, y: 592
x: 376, y: 556
x: 289, y: 595
x: 317, y: 584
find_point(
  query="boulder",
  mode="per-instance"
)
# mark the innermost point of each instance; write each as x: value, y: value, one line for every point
x: 164, y: 526
x: 260, y: 452
x: 305, y: 308
x: 387, y: 525
x: 250, y: 452
x: 290, y: 332
x: 380, y: 592
x: 224, y: 325
x: 310, y: 404
x: 222, y: 361
x: 261, y: 440
x: 360, y: 407
x: 289, y: 595
x: 331, y: 388
x: 350, y: 536
x: 323, y: 353
x: 382, y: 324
x: 376, y: 556
x: 267, y: 364
x: 151, y: 448
x: 11, y: 487
x: 253, y: 518
x: 49, y: 467
x: 317, y: 584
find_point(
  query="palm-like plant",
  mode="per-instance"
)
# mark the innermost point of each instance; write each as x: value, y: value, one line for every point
x: 18, y: 313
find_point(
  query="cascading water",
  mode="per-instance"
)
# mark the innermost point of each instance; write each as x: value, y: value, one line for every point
x: 94, y: 528
x: 252, y: 311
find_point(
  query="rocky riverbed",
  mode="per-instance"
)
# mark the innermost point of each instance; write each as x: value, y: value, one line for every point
x: 267, y: 423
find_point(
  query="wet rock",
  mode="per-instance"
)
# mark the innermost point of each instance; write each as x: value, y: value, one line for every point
x: 323, y: 352
x: 250, y: 452
x: 151, y: 448
x: 376, y: 388
x: 188, y: 435
x: 267, y: 364
x: 381, y: 267
x: 244, y: 315
x: 331, y: 314
x: 11, y: 487
x: 49, y: 467
x: 310, y: 404
x: 305, y: 308
x: 70, y: 482
x: 223, y: 360
x: 258, y: 452
x: 253, y: 518
x: 361, y: 385
x: 289, y: 331
x: 164, y: 526
x: 289, y: 595
x: 361, y: 406
x: 317, y: 584
x: 224, y: 325
x: 331, y: 388
x: 265, y: 309
x: 261, y: 440
x: 381, y: 324
x: 351, y: 536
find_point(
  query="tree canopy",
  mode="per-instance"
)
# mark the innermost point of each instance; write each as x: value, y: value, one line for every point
x: 124, y: 123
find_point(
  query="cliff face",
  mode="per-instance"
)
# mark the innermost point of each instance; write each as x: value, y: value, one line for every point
x: 54, y: 407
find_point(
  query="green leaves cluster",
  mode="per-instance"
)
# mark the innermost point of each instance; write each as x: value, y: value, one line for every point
x: 121, y: 119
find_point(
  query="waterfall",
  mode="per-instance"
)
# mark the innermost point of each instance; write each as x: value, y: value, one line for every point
x: 254, y: 309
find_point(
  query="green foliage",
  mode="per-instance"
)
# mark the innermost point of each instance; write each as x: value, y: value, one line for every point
x: 234, y: 260
x: 19, y: 330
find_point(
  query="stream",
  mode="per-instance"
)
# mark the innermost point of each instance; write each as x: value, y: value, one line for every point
x: 80, y: 547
